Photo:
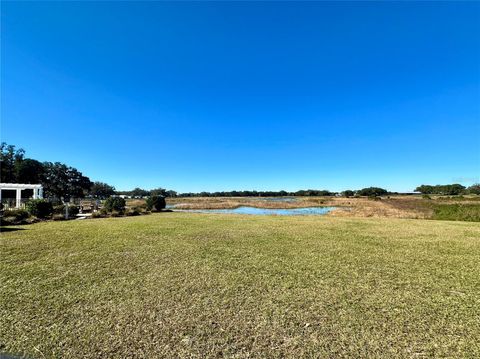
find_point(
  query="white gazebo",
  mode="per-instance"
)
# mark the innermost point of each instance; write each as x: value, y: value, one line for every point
x: 19, y: 187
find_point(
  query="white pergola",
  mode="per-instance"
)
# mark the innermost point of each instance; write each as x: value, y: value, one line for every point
x: 19, y: 187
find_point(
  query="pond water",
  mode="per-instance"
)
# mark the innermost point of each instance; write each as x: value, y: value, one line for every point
x: 269, y: 211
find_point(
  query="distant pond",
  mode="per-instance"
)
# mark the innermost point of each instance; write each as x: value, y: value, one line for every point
x: 268, y: 211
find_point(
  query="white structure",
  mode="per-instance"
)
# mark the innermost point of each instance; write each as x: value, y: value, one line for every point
x: 19, y: 187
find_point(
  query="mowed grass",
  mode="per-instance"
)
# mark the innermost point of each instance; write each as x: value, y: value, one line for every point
x: 182, y: 285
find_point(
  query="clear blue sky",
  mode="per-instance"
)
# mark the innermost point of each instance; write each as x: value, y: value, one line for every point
x: 257, y: 95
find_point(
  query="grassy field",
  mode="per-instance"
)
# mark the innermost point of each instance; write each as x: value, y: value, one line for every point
x: 206, y: 286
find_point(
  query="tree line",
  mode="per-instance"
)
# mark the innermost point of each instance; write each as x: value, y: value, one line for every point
x: 448, y: 189
x: 58, y: 179
x: 62, y: 181
x: 139, y: 193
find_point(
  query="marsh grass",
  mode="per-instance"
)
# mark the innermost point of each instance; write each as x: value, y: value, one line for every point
x: 182, y: 285
x: 348, y: 207
x: 385, y: 207
x: 457, y: 212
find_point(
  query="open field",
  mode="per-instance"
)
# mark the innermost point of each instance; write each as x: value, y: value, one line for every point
x: 200, y: 285
x: 438, y: 207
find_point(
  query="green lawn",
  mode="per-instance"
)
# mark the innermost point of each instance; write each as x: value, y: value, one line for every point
x: 198, y: 285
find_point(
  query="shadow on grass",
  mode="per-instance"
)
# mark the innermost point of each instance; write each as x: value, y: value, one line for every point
x: 7, y: 229
x: 11, y: 356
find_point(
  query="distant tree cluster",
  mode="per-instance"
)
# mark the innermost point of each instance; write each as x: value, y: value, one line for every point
x: 101, y: 190
x: 141, y: 193
x: 474, y: 189
x: 348, y: 193
x: 446, y: 189
x: 58, y: 179
x: 308, y: 192
x: 372, y: 192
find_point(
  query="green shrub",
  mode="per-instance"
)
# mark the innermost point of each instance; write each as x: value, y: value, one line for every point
x: 59, y: 209
x: 39, y: 208
x: 98, y: 214
x: 426, y: 196
x: 132, y: 212
x: 14, y: 216
x: 156, y: 203
x: 114, y: 204
x: 457, y: 212
x: 17, y: 213
x: 115, y: 213
x: 73, y: 211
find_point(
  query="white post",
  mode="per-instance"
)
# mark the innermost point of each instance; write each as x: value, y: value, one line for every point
x: 40, y: 192
x: 19, y: 198
x: 34, y: 193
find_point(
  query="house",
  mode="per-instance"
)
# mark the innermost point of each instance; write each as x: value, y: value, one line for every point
x: 9, y: 199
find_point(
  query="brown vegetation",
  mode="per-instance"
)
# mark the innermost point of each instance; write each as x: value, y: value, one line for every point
x: 401, y: 206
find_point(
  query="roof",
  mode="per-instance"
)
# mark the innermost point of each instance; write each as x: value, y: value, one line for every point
x: 19, y: 186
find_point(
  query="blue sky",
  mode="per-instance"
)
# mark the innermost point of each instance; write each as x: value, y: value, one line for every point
x: 246, y: 95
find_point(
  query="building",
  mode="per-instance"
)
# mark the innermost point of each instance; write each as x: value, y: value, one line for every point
x: 37, y: 190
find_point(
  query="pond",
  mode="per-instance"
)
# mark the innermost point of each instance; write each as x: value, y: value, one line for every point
x: 268, y: 211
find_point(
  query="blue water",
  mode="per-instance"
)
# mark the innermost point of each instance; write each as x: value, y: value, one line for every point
x: 268, y: 211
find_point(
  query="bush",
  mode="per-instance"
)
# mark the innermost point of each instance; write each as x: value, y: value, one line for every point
x: 58, y: 217
x: 115, y: 213
x: 156, y: 203
x: 426, y: 196
x: 132, y: 212
x: 457, y: 212
x: 73, y: 211
x: 39, y: 208
x: 13, y: 216
x: 114, y: 204
x: 59, y: 209
x: 98, y: 214
x: 17, y: 213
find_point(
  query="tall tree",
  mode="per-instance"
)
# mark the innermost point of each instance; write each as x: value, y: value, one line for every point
x: 59, y: 181
x: 9, y: 157
x: 159, y: 192
x: 372, y: 191
x: 474, y: 189
x: 138, y: 192
x: 29, y: 171
x: 101, y: 190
